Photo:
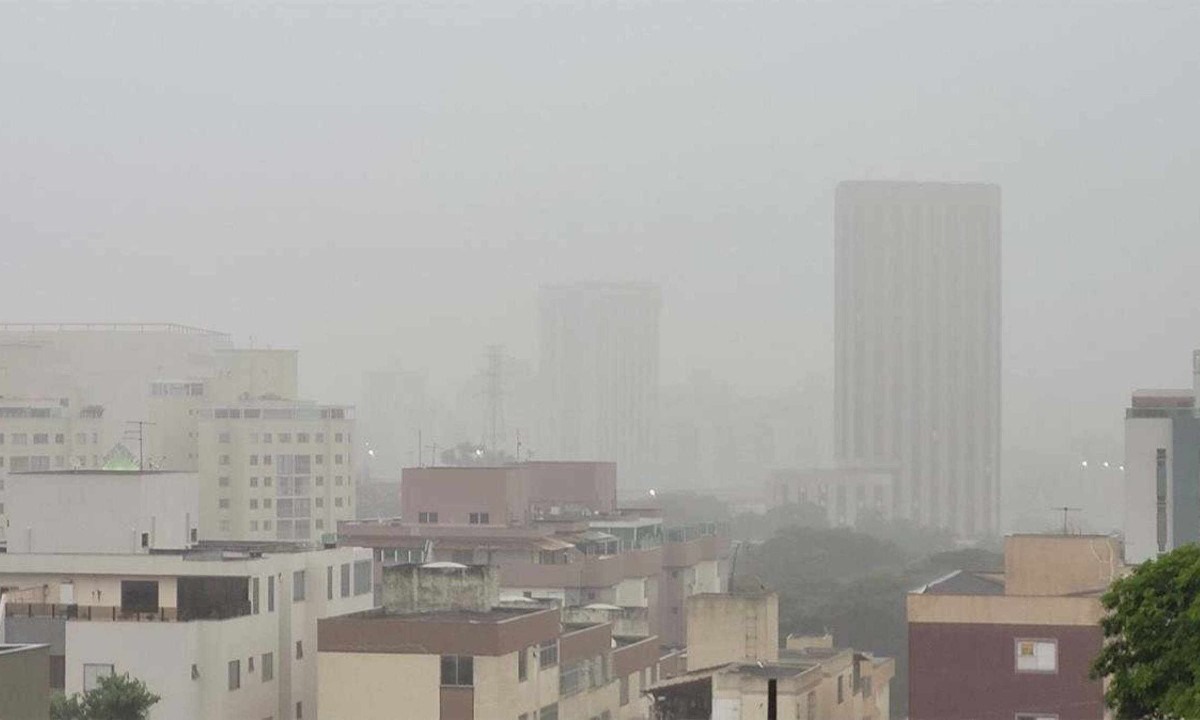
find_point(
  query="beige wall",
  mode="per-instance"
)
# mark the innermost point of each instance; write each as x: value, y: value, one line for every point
x: 1060, y: 564
x: 1004, y: 609
x: 25, y: 682
x: 361, y: 686
x: 499, y: 695
x: 729, y: 628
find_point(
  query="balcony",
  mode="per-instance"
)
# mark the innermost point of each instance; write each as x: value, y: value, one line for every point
x: 113, y: 613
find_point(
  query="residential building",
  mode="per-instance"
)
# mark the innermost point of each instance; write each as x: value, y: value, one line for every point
x: 105, y: 570
x: 736, y: 668
x: 599, y: 366
x: 846, y: 494
x: 108, y: 364
x: 275, y: 470
x: 444, y: 646
x: 1162, y: 460
x: 553, y: 532
x: 24, y: 680
x: 1017, y: 644
x: 46, y: 434
x: 917, y: 345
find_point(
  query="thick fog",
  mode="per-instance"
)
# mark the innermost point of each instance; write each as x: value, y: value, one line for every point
x: 383, y: 183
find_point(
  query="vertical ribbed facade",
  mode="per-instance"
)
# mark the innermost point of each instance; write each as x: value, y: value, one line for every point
x: 917, y: 326
x: 599, y: 348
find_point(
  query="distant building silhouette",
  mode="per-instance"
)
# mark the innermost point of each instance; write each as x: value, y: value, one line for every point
x: 918, y: 345
x: 599, y: 349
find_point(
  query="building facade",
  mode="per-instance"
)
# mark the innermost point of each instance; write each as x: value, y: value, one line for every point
x: 1162, y: 461
x: 1017, y: 644
x: 24, y: 681
x: 917, y: 348
x: 599, y: 367
x: 846, y: 494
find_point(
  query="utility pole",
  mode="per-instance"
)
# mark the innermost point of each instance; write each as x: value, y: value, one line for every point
x: 141, y: 438
x: 1064, y: 510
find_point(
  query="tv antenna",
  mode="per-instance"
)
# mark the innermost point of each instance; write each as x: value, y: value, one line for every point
x: 1065, y: 510
x: 141, y: 438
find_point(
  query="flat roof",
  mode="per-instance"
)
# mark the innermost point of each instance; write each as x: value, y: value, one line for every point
x: 99, y: 471
x: 498, y: 614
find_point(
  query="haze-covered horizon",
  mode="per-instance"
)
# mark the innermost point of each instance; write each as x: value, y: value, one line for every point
x: 373, y: 183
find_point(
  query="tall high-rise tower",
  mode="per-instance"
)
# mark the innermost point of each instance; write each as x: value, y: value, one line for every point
x: 918, y: 345
x: 599, y: 370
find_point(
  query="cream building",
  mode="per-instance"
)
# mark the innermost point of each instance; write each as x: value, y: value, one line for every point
x: 46, y: 434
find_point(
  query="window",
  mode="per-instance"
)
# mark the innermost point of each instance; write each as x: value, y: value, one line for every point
x: 548, y: 654
x: 223, y: 503
x: 266, y: 437
x: 267, y: 481
x: 337, y: 502
x: 362, y: 577
x: 145, y: 539
x: 301, y: 437
x: 329, y: 583
x: 522, y: 664
x: 250, y: 664
x: 223, y: 481
x: 20, y: 439
x: 266, y: 459
x: 92, y: 672
x: 298, y: 586
x: 429, y: 518
x: 337, y: 437
x: 59, y: 439
x: 266, y: 524
x: 224, y: 460
x: 550, y: 712
x: 224, y: 526
x: 320, y: 480
x: 253, y: 482
x: 458, y: 670
x: 319, y: 459
x: 223, y: 437
x: 337, y: 459
x: 285, y: 437
x: 479, y: 518
x: 299, y: 649
x: 268, y: 667
x: 345, y: 579
x: 41, y: 438
x: 320, y: 502
x: 337, y: 480
x: 320, y: 437
x: 271, y: 594
x: 1161, y: 484
x: 299, y: 710
x: 841, y: 689
x: 235, y: 674
x: 1039, y: 656
x: 624, y: 691
x: 253, y: 526
x: 266, y: 502
x: 812, y: 706
x: 253, y: 503
x: 254, y: 588
x: 253, y: 459
x: 320, y: 524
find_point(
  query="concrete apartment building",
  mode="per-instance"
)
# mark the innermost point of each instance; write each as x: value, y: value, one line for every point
x: 846, y: 494
x: 599, y: 367
x: 24, y: 681
x: 917, y: 345
x: 444, y: 646
x: 272, y: 467
x: 105, y: 571
x: 107, y: 364
x: 1018, y: 644
x: 737, y: 669
x: 1162, y: 461
x: 46, y: 434
x: 554, y: 532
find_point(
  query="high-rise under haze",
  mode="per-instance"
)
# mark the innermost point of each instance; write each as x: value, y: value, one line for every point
x: 917, y: 315
x: 599, y: 348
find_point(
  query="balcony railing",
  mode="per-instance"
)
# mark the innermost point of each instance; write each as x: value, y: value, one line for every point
x: 112, y: 613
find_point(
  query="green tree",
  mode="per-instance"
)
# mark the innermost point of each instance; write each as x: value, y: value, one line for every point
x: 118, y: 697
x: 1151, y: 654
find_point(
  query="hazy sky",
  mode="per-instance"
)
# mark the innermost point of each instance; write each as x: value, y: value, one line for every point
x: 368, y: 181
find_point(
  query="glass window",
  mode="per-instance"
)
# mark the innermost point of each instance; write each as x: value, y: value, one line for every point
x: 329, y: 583
x: 458, y: 670
x: 548, y: 654
x: 345, y: 579
x: 362, y: 577
x: 271, y: 593
x: 235, y: 674
x: 1037, y: 656
x: 223, y: 503
x: 268, y: 667
x: 550, y: 712
x: 299, y: 649
x: 298, y: 586
x: 92, y: 672
x: 523, y: 664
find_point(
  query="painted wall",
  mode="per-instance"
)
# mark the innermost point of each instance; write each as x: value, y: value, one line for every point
x: 364, y: 686
x: 1143, y: 437
x: 24, y: 682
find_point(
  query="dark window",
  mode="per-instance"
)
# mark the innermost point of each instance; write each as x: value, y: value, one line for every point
x: 458, y: 670
x: 145, y: 540
x: 345, y: 579
x: 271, y: 594
x: 329, y: 583
x: 139, y: 596
x: 548, y: 654
x: 480, y: 518
x: 428, y: 518
x: 522, y: 664
x: 362, y: 577
x: 1161, y: 486
x: 299, y: 649
x: 299, y: 710
x: 841, y: 690
x: 298, y: 586
x: 235, y: 674
x: 254, y: 588
x: 550, y: 712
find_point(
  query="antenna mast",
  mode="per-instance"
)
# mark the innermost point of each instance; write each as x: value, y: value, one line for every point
x: 1064, y: 510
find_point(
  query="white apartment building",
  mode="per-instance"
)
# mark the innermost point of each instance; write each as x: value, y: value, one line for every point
x: 917, y: 345
x: 275, y: 469
x: 105, y: 570
x: 46, y: 434
x: 599, y: 367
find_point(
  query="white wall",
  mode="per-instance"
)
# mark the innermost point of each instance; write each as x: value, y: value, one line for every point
x: 100, y: 512
x: 1143, y: 437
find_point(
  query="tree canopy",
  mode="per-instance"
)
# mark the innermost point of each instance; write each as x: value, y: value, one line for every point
x: 1151, y: 654
x: 117, y: 697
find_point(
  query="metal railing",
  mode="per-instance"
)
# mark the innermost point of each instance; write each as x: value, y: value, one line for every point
x: 112, y: 613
